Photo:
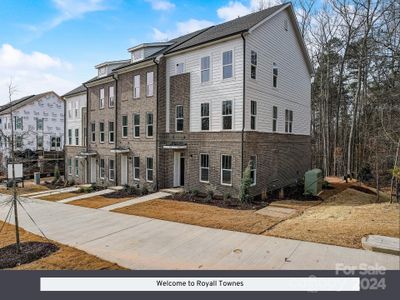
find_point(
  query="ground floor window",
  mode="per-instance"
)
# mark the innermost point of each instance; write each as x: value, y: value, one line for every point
x: 76, y: 167
x: 226, y: 170
x: 102, y: 168
x: 204, y: 167
x: 111, y: 170
x: 69, y: 166
x: 136, y: 168
x: 149, y: 169
x: 253, y: 169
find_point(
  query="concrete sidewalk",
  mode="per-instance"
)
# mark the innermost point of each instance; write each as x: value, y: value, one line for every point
x: 87, y: 195
x: 143, y: 243
x: 137, y: 200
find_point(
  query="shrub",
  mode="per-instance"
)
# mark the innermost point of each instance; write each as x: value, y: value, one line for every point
x: 245, y: 185
x: 144, y: 191
x: 194, y: 192
x: 210, y: 196
x: 227, y: 197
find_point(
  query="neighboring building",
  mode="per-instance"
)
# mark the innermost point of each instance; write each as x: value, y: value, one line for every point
x: 75, y: 134
x: 197, y: 110
x: 39, y: 131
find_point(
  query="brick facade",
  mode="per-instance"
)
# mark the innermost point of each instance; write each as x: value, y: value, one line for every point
x: 73, y: 153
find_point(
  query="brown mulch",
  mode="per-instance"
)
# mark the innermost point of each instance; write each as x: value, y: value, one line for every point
x: 99, y: 201
x: 201, y: 215
x: 66, y: 258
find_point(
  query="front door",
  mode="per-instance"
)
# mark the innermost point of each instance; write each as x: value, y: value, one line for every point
x: 92, y: 170
x: 124, y: 170
x: 182, y: 173
x: 179, y: 169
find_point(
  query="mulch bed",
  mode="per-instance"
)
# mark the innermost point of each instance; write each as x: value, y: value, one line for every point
x: 120, y: 194
x: 30, y: 251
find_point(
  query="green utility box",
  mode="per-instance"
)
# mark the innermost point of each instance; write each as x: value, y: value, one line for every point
x: 313, y: 180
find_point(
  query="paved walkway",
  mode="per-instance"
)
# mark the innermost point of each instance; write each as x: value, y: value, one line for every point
x: 143, y: 243
x: 51, y: 192
x: 87, y: 195
x: 146, y: 198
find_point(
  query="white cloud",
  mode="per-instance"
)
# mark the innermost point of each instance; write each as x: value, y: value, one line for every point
x: 236, y: 9
x: 161, y: 4
x: 182, y: 28
x: 32, y: 73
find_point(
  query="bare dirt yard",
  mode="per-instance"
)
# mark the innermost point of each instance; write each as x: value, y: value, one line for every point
x: 66, y: 258
x: 29, y: 188
x: 58, y: 197
x: 343, y: 220
x: 99, y: 201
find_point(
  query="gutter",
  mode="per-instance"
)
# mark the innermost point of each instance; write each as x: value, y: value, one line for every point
x: 244, y: 101
x: 156, y: 60
x: 87, y: 132
x: 116, y: 141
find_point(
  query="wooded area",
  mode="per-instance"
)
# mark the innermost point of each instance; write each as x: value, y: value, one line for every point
x: 354, y: 47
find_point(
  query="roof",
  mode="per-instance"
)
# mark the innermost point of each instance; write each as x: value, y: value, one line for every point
x: 5, y: 109
x: 112, y: 62
x: 78, y: 90
x: 230, y: 28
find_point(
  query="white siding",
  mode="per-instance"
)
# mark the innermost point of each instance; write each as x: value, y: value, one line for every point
x: 274, y: 44
x: 216, y: 90
x: 74, y: 122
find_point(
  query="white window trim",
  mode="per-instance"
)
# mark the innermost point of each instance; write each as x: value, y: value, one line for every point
x: 76, y: 166
x: 209, y: 117
x: 276, y: 119
x: 91, y: 132
x: 275, y: 66
x: 253, y: 65
x: 104, y: 168
x: 149, y: 85
x: 252, y: 115
x: 233, y: 66
x: 147, y: 169
x: 255, y: 171
x: 209, y: 70
x: 176, y: 118
x: 109, y: 170
x: 147, y: 126
x: 134, y: 168
x: 109, y: 133
x: 70, y: 166
x: 226, y: 184
x: 76, y: 137
x: 101, y: 100
x: 232, y: 115
x: 102, y: 132
x: 125, y: 126
x: 111, y: 98
x: 134, y: 126
x: 208, y: 168
x: 176, y: 68
x: 136, y: 89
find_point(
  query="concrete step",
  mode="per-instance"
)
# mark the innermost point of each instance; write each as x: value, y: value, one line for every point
x: 380, y: 243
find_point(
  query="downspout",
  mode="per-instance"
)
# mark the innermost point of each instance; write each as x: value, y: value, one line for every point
x: 157, y: 62
x: 87, y: 132
x: 244, y: 101
x: 65, y: 137
x: 116, y: 141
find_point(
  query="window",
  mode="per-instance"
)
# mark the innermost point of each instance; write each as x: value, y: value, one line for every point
x: 204, y: 167
x: 136, y: 168
x: 226, y: 170
x: 180, y: 68
x: 39, y: 142
x: 69, y: 136
x: 69, y: 110
x: 288, y: 120
x: 149, y: 125
x: 274, y: 118
x: 136, y: 125
x: 253, y: 117
x: 69, y: 166
x: 53, y: 142
x: 58, y: 142
x: 77, y: 137
x: 227, y: 66
x: 253, y: 64
x: 101, y: 99
x: 179, y: 118
x: 19, y: 123
x: 111, y: 132
x: 149, y: 169
x: 111, y: 170
x: 205, y: 116
x: 102, y: 137
x: 76, y: 167
x: 124, y: 126
x: 227, y: 115
x: 150, y: 84
x: 274, y: 75
x: 205, y: 69
x: 102, y: 168
x: 76, y: 109
x: 39, y: 124
x: 253, y: 169
x: 111, y: 96
x: 93, y: 130
x: 136, y: 87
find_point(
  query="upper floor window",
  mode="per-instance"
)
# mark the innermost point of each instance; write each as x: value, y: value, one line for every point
x: 274, y: 118
x: 136, y: 87
x: 69, y: 110
x: 101, y: 131
x: 58, y: 141
x: 77, y: 137
x: 179, y: 118
x: 180, y: 68
x: 227, y: 64
x: 124, y: 126
x: 93, y: 129
x: 288, y: 120
x: 253, y: 116
x: 76, y: 109
x: 136, y: 125
x: 253, y: 64
x: 274, y: 75
x: 111, y: 96
x: 69, y: 136
x: 19, y: 123
x: 53, y: 142
x: 227, y: 115
x: 111, y: 132
x: 150, y: 84
x: 149, y: 125
x: 205, y: 69
x: 39, y: 124
x: 205, y: 116
x: 101, y: 99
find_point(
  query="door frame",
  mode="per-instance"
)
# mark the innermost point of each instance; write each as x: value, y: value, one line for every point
x: 93, y: 169
x: 124, y: 170
x: 177, y: 168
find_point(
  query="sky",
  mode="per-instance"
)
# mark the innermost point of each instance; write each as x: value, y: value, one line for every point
x: 55, y: 44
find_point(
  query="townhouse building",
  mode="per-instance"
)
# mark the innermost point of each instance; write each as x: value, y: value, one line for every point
x: 76, y: 135
x: 194, y: 112
x: 38, y: 122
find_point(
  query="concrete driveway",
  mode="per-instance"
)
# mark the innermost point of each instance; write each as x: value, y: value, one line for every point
x: 143, y: 243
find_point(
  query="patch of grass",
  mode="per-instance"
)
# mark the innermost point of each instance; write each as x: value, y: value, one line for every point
x: 58, y: 197
x: 66, y: 258
x: 201, y: 215
x: 342, y: 220
x: 98, y: 201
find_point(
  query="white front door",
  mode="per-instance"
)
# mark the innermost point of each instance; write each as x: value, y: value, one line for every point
x: 124, y: 170
x: 177, y: 169
x: 92, y: 170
